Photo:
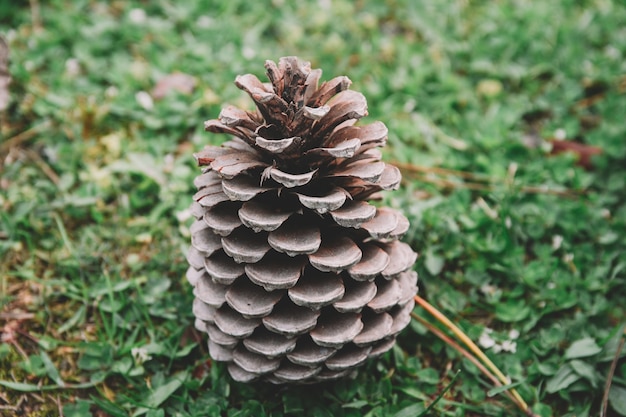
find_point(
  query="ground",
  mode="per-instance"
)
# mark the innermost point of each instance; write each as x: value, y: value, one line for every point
x: 506, y: 119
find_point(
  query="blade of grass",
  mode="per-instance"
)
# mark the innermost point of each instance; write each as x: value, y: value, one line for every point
x: 63, y: 232
x: 24, y: 387
x: 52, y: 371
x: 162, y: 393
x: 502, y: 388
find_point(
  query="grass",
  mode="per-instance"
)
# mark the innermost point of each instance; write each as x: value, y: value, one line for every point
x: 520, y: 247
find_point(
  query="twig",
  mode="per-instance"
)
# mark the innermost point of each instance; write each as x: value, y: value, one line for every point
x: 472, y: 347
x: 487, y: 183
x: 609, y: 378
x: 444, y: 171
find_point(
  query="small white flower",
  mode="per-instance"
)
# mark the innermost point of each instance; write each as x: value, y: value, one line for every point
x: 145, y: 100
x: 513, y: 334
x: 485, y: 340
x: 140, y: 355
x: 507, y: 222
x: 568, y: 257
x: 72, y: 67
x: 183, y: 215
x: 168, y: 163
x: 560, y: 134
x: 557, y: 240
x: 509, y: 346
x: 551, y: 285
x: 137, y: 16
x: 488, y: 289
x: 409, y: 106
x: 111, y: 91
x: 605, y: 213
x: 51, y: 153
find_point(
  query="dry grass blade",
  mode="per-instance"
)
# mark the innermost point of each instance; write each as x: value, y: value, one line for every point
x: 441, y: 335
x: 475, y: 350
x: 443, y: 171
x: 481, y: 182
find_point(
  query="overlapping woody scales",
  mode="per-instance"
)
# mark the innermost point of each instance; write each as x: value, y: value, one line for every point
x: 297, y: 277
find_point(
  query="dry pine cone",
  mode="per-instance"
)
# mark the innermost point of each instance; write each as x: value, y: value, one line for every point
x: 298, y: 278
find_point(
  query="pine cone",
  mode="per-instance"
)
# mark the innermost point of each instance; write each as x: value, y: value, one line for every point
x: 298, y: 278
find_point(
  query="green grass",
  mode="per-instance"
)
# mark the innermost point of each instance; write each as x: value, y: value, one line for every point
x: 95, y: 312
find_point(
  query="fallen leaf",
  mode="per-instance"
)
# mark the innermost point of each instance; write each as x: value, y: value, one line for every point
x: 177, y: 81
x: 584, y: 152
x: 202, y: 369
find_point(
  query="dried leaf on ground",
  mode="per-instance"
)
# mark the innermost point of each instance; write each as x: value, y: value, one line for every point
x: 177, y: 81
x: 583, y: 151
